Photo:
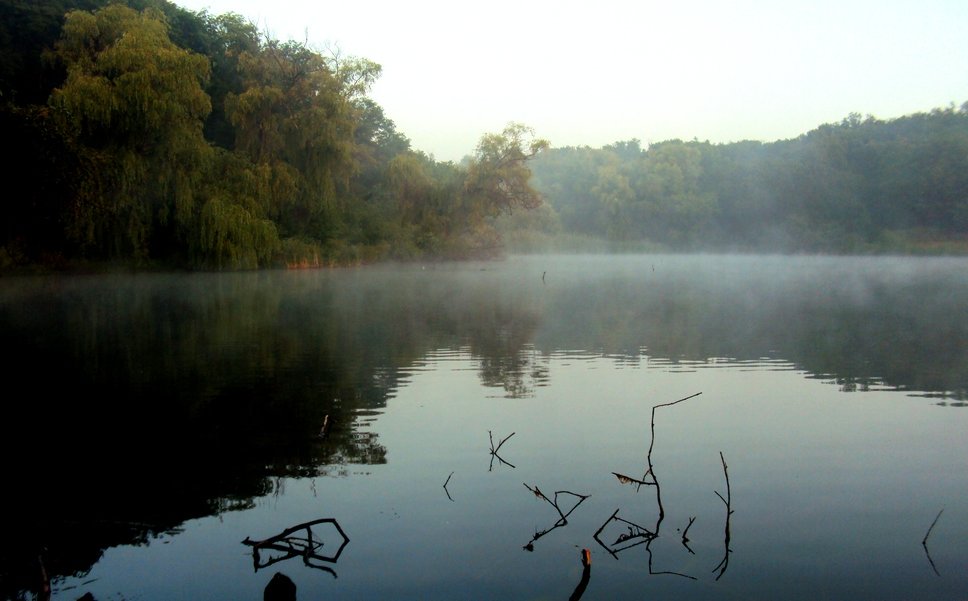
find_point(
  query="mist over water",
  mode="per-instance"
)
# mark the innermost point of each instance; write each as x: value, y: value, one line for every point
x: 182, y: 414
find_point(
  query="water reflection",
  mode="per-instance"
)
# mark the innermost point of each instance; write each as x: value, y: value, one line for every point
x: 168, y: 398
x: 638, y: 534
x: 570, y: 500
x: 495, y: 449
x: 298, y: 541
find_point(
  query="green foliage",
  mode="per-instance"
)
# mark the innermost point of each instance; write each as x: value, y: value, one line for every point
x: 232, y: 237
x: 136, y: 100
x: 294, y: 109
x: 497, y: 179
x: 142, y: 133
x: 862, y: 185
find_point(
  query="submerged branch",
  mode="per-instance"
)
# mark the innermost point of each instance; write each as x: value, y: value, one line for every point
x: 562, y: 516
x: 586, y: 562
x: 500, y: 444
x: 306, y: 546
x: 630, y: 480
x: 931, y: 527
x: 495, y: 450
x: 445, y: 485
x: 924, y: 542
x: 685, y: 537
x: 725, y: 561
x: 651, y: 470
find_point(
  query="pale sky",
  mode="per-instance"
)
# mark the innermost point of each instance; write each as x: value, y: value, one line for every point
x: 595, y: 72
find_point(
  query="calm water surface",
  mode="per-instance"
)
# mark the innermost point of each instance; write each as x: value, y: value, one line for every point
x: 152, y: 423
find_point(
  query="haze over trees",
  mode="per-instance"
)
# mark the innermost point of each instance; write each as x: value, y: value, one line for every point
x: 140, y: 133
x: 861, y: 185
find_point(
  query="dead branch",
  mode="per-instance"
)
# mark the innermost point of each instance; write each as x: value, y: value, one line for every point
x: 924, y: 543
x: 291, y: 546
x: 630, y: 480
x: 931, y: 527
x: 725, y: 561
x: 651, y: 470
x: 636, y: 532
x: 445, y: 486
x: 586, y: 562
x: 562, y: 516
x: 494, y: 450
x: 685, y: 537
x: 500, y: 444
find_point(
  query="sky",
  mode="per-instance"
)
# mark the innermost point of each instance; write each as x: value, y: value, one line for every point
x: 593, y: 73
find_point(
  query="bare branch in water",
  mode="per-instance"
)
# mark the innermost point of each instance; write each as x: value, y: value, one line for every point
x: 630, y: 480
x: 930, y: 528
x: 447, y: 481
x: 562, y: 516
x: 494, y: 450
x: 500, y: 444
x: 685, y: 537
x: 725, y: 562
x: 586, y: 562
x: 924, y: 542
x: 290, y: 545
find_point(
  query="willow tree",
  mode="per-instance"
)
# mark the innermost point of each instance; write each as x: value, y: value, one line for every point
x: 497, y: 183
x: 498, y: 177
x: 137, y: 101
x: 296, y: 115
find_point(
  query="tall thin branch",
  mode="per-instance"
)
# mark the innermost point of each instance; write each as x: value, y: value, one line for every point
x: 725, y: 562
x: 924, y: 543
x: 930, y: 528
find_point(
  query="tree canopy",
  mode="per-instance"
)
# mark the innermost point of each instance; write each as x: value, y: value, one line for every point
x: 144, y: 134
x: 185, y: 139
x: 861, y: 185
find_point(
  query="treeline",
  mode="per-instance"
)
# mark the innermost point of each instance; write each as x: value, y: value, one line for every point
x: 139, y: 133
x: 144, y: 134
x: 861, y: 185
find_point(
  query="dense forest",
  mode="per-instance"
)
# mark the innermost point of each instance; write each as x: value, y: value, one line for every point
x: 862, y: 185
x: 142, y: 134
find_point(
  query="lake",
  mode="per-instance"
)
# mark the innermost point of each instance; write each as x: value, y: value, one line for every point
x: 466, y: 430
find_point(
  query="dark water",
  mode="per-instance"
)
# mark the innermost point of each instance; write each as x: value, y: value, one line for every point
x: 152, y: 423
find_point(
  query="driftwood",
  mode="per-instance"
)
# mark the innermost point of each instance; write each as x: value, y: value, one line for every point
x: 290, y: 545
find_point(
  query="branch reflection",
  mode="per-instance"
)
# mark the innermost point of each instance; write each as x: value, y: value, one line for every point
x: 562, y: 516
x: 291, y: 545
x: 636, y: 534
